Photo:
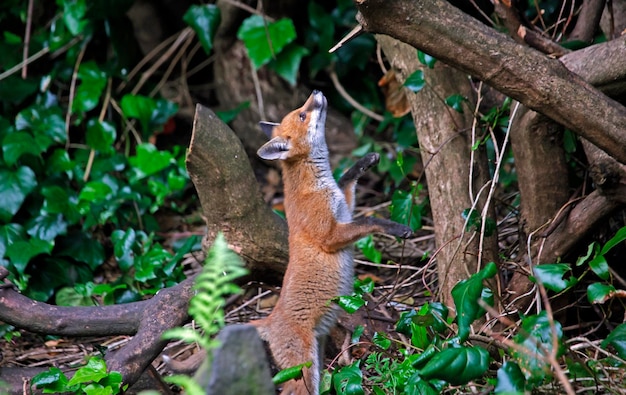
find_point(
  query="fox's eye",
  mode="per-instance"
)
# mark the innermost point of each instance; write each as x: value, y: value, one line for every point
x: 302, y: 116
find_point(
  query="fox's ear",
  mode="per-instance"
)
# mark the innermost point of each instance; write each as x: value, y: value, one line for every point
x: 268, y: 128
x: 276, y: 148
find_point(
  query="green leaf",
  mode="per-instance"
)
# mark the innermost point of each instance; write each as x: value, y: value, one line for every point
x: 600, y: 266
x: 290, y: 373
x: 364, y: 286
x: 47, y: 226
x: 511, y: 380
x: 95, y: 191
x: 82, y: 248
x: 69, y: 296
x: 615, y: 240
x: 148, y: 160
x: 552, y: 276
x: 617, y: 339
x: 22, y: 251
x: 599, y: 293
x: 93, y: 80
x: 474, y: 222
x: 466, y: 295
x: 349, y: 380
x: 14, y: 187
x: 381, y: 340
x: 426, y: 59
x: 101, y: 135
x: 404, y: 210
x: 52, y: 380
x: 535, y: 340
x: 415, y: 81
x: 349, y: 303
x: 228, y: 116
x: 416, y: 385
x: 139, y: 107
x: 123, y: 243
x: 457, y: 366
x: 367, y: 247
x: 16, y: 144
x: 456, y: 102
x: 95, y: 370
x: 204, y: 20
x: 73, y: 15
x: 590, y: 250
x: 265, y: 40
x: 44, y: 123
x: 287, y: 62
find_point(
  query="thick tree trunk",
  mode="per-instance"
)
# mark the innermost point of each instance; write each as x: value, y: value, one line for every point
x: 445, y: 144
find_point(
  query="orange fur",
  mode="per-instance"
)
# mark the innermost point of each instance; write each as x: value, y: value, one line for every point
x: 321, y: 232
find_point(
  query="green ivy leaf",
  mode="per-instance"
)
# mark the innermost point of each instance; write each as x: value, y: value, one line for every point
x: 82, y: 248
x: 47, y: 226
x: 9, y: 234
x: 14, y: 187
x: 17, y: 144
x: 415, y: 81
x: 535, y: 340
x: 600, y: 266
x: 148, y: 160
x: 101, y: 135
x: 593, y: 247
x: 598, y: 293
x: 69, y: 296
x: 367, y: 247
x: 228, y: 116
x: 290, y: 373
x: 52, y: 380
x: 349, y: 303
x: 44, y: 123
x: 22, y: 251
x: 404, y: 210
x: 426, y: 59
x: 511, y: 380
x: 466, y: 295
x: 364, y: 286
x: 457, y: 366
x: 381, y: 340
x: 287, y: 62
x: 615, y: 240
x: 92, y: 83
x: 265, y: 40
x: 95, y: 370
x: 139, y: 107
x: 349, y: 380
x: 123, y: 243
x: 456, y: 102
x: 73, y: 15
x: 552, y: 276
x: 204, y: 20
x: 617, y: 339
x: 417, y: 385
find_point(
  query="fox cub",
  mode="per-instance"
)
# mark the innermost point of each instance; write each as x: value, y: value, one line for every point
x: 321, y: 233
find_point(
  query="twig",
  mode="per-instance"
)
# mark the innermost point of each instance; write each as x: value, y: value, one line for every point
x: 351, y: 100
x: 358, y: 29
x: 68, y: 114
x: 29, y: 22
x: 258, y: 91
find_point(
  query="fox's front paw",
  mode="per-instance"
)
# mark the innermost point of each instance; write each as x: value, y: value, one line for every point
x: 401, y: 231
x: 366, y: 162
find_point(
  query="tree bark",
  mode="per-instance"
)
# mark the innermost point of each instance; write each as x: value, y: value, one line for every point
x: 231, y: 201
x: 445, y: 145
x: 540, y: 83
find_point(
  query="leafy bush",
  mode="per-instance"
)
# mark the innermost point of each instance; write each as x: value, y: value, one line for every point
x: 76, y: 165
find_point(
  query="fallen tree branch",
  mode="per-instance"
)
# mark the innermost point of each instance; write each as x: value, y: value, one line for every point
x: 146, y: 320
x: 522, y: 73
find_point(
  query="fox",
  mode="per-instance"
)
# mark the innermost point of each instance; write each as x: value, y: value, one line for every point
x: 322, y: 230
